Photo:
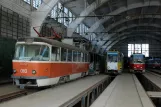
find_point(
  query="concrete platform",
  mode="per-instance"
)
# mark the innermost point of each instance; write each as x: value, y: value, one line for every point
x: 124, y: 91
x: 56, y: 96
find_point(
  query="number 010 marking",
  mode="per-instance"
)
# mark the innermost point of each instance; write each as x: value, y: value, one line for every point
x: 23, y: 70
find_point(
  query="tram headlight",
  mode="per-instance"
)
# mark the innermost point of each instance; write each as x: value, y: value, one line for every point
x: 33, y: 72
x: 14, y: 71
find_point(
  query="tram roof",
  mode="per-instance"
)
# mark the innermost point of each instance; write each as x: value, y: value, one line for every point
x: 51, y: 42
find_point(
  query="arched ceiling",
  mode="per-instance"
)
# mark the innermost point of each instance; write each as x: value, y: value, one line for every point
x: 146, y: 29
x: 120, y: 18
x: 127, y: 36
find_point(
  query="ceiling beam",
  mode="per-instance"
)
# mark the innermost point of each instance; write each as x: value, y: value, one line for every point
x: 108, y: 37
x: 121, y: 10
x: 71, y: 28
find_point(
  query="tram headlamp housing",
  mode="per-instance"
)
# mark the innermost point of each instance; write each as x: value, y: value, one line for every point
x: 14, y: 71
x: 33, y: 71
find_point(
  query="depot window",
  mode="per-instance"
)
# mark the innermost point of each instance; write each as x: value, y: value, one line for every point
x: 138, y: 48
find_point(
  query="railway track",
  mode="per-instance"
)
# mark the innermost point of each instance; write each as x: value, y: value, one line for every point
x: 13, y: 95
x: 10, y: 91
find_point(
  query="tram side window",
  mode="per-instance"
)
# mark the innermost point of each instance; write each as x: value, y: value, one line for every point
x: 83, y: 57
x: 79, y: 56
x: 131, y: 59
x: 119, y: 57
x: 75, y: 54
x: 55, y: 54
x: 63, y: 54
x: 69, y: 55
x: 86, y: 57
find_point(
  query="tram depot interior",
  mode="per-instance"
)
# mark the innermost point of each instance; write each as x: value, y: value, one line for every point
x: 80, y: 53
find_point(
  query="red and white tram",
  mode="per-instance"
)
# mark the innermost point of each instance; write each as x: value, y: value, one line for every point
x: 137, y: 63
x: 43, y: 62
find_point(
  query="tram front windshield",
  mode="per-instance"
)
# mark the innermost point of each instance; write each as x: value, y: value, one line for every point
x: 32, y: 52
x: 138, y: 58
x: 112, y: 57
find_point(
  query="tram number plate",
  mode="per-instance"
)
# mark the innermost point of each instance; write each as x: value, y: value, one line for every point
x: 23, y: 70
